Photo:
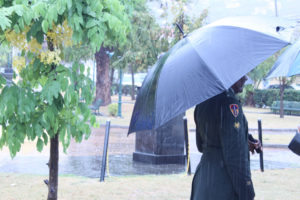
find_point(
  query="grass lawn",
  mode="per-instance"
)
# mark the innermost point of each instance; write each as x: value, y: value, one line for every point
x: 270, y: 185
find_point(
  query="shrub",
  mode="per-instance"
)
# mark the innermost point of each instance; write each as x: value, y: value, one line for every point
x: 267, y: 97
x: 113, y: 109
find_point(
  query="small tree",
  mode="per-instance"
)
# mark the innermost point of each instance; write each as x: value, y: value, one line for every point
x: 50, y: 102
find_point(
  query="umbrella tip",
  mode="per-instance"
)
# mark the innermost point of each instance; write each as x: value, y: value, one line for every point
x: 180, y: 29
x: 279, y: 28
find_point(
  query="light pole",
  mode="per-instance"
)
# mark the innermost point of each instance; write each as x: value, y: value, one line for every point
x: 276, y: 13
x: 120, y: 93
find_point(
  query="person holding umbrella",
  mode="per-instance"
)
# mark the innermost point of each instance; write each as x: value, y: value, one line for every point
x: 222, y: 137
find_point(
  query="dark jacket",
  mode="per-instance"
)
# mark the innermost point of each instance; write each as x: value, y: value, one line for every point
x: 222, y: 135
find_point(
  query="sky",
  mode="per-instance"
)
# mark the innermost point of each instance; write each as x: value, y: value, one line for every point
x: 225, y: 8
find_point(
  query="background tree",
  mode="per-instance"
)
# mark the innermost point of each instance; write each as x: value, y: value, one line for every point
x: 145, y: 41
x: 45, y: 104
x: 259, y: 73
x: 186, y: 22
x: 117, y: 22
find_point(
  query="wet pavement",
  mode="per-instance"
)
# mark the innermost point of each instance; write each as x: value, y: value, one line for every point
x: 85, y: 159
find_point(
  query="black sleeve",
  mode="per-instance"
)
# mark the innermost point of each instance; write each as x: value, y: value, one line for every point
x: 234, y: 144
x: 198, y: 135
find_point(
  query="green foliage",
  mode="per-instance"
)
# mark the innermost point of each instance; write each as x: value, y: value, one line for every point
x: 2, y: 81
x: 187, y: 23
x: 144, y: 41
x: 113, y: 109
x: 92, y: 22
x: 45, y: 101
x: 259, y: 72
x: 267, y: 97
x: 246, y: 97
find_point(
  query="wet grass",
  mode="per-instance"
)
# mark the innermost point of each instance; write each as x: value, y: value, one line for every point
x: 270, y: 185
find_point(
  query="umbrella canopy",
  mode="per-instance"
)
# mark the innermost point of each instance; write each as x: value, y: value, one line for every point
x: 202, y: 65
x: 288, y: 64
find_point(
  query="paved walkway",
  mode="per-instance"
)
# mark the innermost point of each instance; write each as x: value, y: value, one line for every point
x: 85, y: 158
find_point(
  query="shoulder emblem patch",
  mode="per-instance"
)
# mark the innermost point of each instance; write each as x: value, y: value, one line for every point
x: 234, y: 108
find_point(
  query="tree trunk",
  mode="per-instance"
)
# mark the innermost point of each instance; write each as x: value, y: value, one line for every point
x: 103, y: 82
x: 281, y: 91
x: 53, y: 168
x: 132, y: 80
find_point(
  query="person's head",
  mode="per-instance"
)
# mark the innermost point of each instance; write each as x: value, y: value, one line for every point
x: 239, y: 85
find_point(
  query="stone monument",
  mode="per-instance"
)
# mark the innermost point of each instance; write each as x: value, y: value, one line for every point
x: 162, y: 146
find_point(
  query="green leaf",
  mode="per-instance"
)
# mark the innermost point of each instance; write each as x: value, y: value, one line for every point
x: 59, y: 102
x: 27, y: 16
x: 18, y: 9
x: 81, y: 68
x: 39, y: 9
x: 91, y: 23
x: 36, y: 27
x: 16, y: 28
x: 40, y: 37
x: 39, y: 145
x: 60, y: 6
x: 2, y: 81
x: 64, y: 84
x: 79, y: 8
x: 45, y: 137
x: 45, y: 26
x: 5, y: 22
x: 75, y: 66
x: 51, y: 90
x: 93, y: 120
x: 52, y: 14
x: 91, y: 32
x: 38, y: 129
x: 21, y: 23
x: 30, y: 132
x: 49, y: 115
x: 69, y: 4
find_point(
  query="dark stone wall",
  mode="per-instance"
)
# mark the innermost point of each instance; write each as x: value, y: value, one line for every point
x: 162, y: 146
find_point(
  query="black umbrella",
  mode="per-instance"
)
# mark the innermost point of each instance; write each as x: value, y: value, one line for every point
x: 204, y: 64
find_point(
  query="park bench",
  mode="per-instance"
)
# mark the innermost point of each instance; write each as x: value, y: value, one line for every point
x: 95, y: 107
x: 289, y: 107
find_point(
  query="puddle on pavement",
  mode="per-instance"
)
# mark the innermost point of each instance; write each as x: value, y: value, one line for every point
x: 84, y: 159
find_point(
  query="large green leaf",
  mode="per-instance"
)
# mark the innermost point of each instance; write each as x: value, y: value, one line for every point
x: 39, y: 145
x: 50, y: 91
x: 45, y: 25
x: 4, y: 19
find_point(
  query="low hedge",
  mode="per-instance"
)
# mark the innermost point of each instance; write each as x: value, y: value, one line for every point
x: 289, y: 107
x: 267, y: 97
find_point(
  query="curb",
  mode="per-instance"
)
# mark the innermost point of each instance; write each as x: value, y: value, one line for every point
x: 277, y: 146
x: 264, y: 129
